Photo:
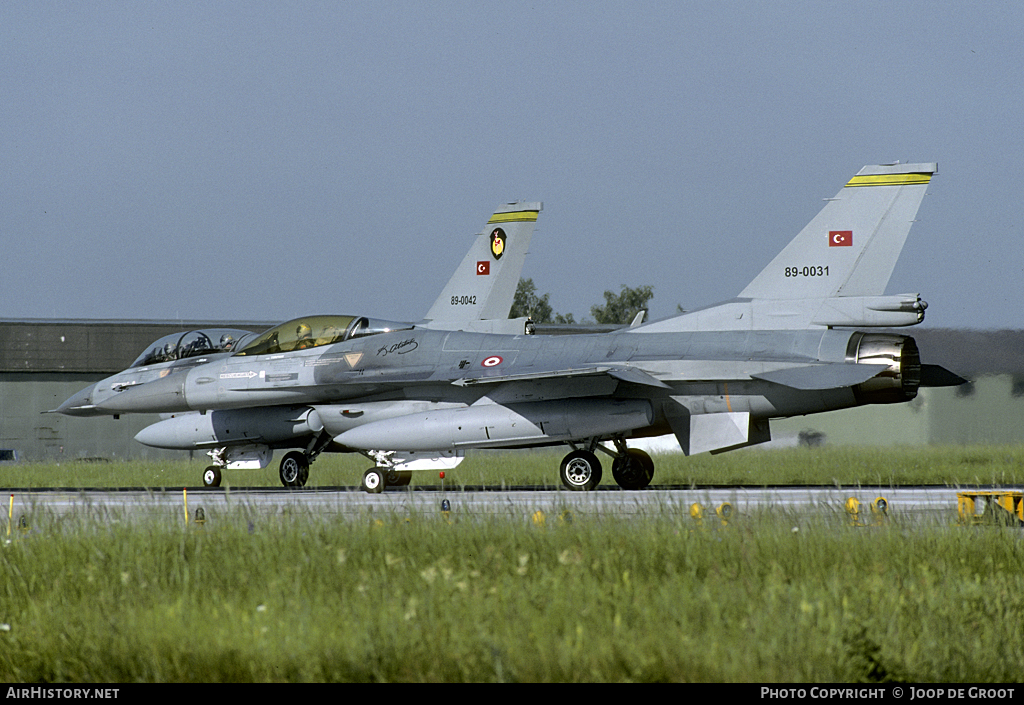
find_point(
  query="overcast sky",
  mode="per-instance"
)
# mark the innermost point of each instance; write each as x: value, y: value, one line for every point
x: 262, y: 161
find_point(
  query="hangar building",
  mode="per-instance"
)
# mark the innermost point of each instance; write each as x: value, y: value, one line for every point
x: 43, y: 362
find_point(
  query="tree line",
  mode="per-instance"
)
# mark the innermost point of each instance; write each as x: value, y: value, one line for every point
x: 617, y: 308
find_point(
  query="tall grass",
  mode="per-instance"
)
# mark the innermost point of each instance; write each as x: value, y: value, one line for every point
x: 951, y: 465
x: 770, y: 597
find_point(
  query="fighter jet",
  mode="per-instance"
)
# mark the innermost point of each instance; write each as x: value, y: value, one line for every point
x: 715, y: 377
x: 478, y: 296
x: 170, y: 354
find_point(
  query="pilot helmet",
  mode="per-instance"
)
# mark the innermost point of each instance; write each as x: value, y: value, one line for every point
x: 303, y: 331
x: 226, y: 341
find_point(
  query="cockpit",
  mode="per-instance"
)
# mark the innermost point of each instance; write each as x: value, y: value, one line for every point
x: 314, y: 331
x: 178, y: 346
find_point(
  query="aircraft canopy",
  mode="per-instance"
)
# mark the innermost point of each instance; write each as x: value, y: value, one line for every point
x: 178, y: 346
x: 314, y: 331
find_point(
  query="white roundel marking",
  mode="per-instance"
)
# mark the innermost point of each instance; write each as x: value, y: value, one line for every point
x: 491, y: 361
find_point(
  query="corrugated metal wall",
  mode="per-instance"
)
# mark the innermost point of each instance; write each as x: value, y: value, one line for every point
x: 42, y: 363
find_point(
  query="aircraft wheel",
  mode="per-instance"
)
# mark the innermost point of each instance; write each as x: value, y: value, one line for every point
x: 580, y: 470
x: 633, y: 470
x: 399, y: 478
x: 211, y: 476
x: 374, y: 481
x: 294, y: 469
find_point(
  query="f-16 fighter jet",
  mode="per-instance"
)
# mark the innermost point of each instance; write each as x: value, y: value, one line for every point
x: 787, y: 345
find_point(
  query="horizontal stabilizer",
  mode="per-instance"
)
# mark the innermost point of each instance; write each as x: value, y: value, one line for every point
x: 828, y: 376
x: 938, y: 376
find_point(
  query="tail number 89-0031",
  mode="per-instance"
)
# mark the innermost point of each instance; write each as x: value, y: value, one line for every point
x: 807, y: 271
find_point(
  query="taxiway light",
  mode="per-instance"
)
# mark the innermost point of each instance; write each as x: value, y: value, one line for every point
x: 697, y: 511
x: 880, y: 506
x: 724, y: 511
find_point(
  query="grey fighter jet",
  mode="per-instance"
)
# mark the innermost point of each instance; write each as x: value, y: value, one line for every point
x: 478, y: 297
x: 787, y: 345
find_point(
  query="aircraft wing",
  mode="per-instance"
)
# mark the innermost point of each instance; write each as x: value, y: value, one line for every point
x: 822, y: 376
x: 834, y: 376
x: 625, y: 374
x: 805, y: 377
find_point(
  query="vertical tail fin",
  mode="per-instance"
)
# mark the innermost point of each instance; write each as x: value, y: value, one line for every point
x: 851, y: 246
x: 484, y: 285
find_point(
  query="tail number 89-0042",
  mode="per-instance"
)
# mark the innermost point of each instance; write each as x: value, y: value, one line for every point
x: 463, y: 301
x: 807, y: 271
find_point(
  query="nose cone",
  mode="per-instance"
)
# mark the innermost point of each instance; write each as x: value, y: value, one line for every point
x: 166, y: 395
x: 80, y: 404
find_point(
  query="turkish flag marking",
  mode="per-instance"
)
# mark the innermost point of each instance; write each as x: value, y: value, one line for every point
x: 483, y: 267
x: 840, y: 238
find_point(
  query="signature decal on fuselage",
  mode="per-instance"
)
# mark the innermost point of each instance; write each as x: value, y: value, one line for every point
x: 406, y: 346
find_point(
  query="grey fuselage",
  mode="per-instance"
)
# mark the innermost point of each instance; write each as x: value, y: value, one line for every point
x: 394, y: 374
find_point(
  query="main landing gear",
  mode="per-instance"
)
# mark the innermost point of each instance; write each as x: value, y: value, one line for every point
x: 632, y: 468
x: 293, y: 470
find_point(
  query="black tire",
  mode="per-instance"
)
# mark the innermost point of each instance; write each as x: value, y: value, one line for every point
x: 211, y: 476
x: 580, y: 470
x: 399, y: 478
x: 374, y: 481
x: 633, y: 470
x: 294, y: 469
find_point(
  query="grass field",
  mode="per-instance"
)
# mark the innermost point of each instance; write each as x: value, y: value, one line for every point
x: 300, y: 597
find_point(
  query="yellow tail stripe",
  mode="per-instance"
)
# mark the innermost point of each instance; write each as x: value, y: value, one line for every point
x: 890, y: 180
x: 517, y: 217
